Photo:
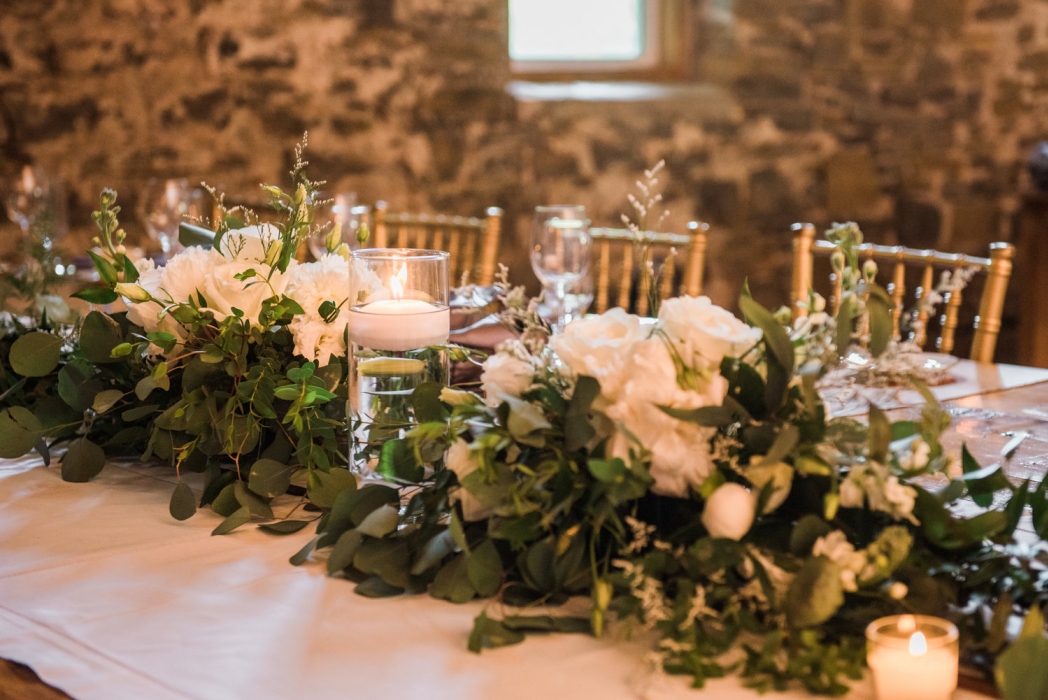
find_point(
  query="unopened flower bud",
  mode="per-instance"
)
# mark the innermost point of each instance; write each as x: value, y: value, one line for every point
x: 818, y: 303
x: 334, y: 238
x: 830, y: 505
x: 133, y: 292
x: 300, y: 194
x: 363, y: 233
x: 869, y: 270
x: 272, y: 191
x: 273, y: 252
x: 837, y: 261
x: 122, y: 249
x: 343, y: 251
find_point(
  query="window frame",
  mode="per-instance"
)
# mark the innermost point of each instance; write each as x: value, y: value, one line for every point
x: 666, y: 56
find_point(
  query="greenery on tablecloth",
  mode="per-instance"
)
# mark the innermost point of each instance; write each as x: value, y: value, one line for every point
x: 682, y: 474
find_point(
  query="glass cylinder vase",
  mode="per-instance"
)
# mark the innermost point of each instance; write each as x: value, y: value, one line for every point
x: 399, y: 322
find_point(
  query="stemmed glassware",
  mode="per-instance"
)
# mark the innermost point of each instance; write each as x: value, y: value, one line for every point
x: 345, y: 211
x: 560, y: 252
x: 37, y: 204
x: 164, y: 205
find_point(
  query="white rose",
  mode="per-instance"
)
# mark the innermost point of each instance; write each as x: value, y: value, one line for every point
x: 505, y: 375
x: 331, y: 278
x: 184, y: 274
x: 729, y: 512
x: 702, y: 332
x: 459, y: 459
x: 224, y: 292
x: 249, y: 244
x: 600, y: 347
x: 680, y: 459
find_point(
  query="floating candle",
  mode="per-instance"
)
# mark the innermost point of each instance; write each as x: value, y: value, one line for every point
x: 399, y: 325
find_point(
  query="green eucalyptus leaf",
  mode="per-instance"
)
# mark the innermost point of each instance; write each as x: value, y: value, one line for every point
x: 284, y: 527
x: 880, y: 436
x: 35, y: 354
x: 491, y: 634
x: 225, y: 503
x: 380, y: 522
x: 1021, y: 671
x: 254, y: 504
x: 269, y: 478
x: 302, y: 555
x: 99, y: 334
x: 183, y: 502
x: 331, y: 484
x: 106, y: 270
x: 707, y: 416
x: 83, y: 461
x: 433, y: 552
x: 377, y: 587
x: 484, y: 568
x: 398, y: 463
x: 426, y: 402
x: 239, y: 517
x: 609, y: 471
x: 19, y: 432
x: 344, y: 550
x: 982, y: 482
x: 807, y: 530
x: 815, y: 594
x: 524, y: 418
x: 105, y: 400
x: 452, y: 582
x: 78, y: 385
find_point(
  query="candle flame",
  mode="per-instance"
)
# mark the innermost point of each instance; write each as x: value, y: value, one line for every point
x: 397, y: 281
x: 918, y: 644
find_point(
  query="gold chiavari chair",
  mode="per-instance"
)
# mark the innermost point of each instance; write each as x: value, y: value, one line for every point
x: 472, y: 242
x: 987, y: 325
x: 614, y: 253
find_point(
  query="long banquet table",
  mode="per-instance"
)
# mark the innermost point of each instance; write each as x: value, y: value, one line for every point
x: 106, y: 597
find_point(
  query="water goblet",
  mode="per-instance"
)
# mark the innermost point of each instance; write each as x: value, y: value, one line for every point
x: 560, y: 251
x: 166, y: 204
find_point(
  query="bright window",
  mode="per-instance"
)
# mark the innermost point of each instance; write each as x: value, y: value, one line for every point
x: 565, y: 35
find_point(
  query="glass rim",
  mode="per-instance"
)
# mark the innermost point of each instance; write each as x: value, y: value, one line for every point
x: 559, y: 207
x: 395, y: 254
x: 944, y: 632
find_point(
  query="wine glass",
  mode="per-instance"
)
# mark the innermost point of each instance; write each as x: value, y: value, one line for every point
x: 37, y: 204
x: 164, y: 205
x: 560, y: 250
x: 345, y: 211
x: 577, y: 300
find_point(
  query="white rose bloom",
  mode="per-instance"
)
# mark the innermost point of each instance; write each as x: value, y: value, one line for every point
x: 224, y: 292
x: 702, y: 332
x: 184, y: 274
x: 729, y: 511
x: 680, y: 454
x: 249, y: 244
x: 505, y: 374
x: 459, y: 459
x: 599, y: 347
x: 331, y: 278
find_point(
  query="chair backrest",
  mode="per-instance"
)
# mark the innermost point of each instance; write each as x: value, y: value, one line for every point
x: 614, y: 249
x: 987, y: 325
x: 472, y: 242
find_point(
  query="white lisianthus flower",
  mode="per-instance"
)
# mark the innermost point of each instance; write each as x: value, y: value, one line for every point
x: 680, y: 453
x: 600, y: 347
x: 729, y: 512
x: 873, y: 485
x: 184, y: 274
x: 150, y: 315
x: 250, y: 244
x: 836, y: 547
x: 459, y: 459
x: 917, y: 457
x: 331, y: 278
x: 702, y: 332
x: 506, y: 373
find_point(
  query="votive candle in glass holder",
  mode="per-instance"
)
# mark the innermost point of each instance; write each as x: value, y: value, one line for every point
x: 398, y: 331
x: 912, y: 657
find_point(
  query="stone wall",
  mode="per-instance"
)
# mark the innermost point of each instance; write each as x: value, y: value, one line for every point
x: 911, y: 116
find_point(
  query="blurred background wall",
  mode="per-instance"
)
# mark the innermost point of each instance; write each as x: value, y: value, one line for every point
x: 912, y: 117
